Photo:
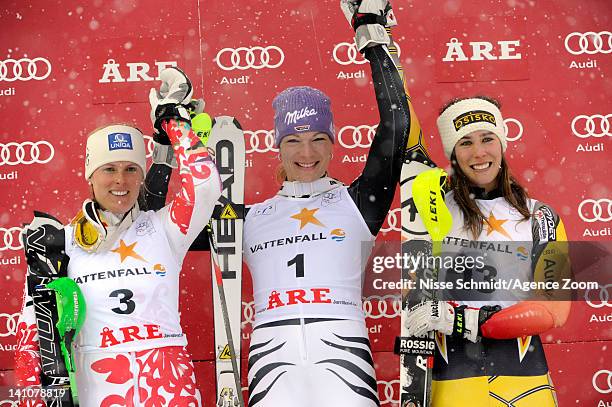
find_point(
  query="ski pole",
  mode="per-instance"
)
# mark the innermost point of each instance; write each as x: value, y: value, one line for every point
x: 225, y: 312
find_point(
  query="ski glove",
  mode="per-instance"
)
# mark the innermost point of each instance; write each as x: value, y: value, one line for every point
x: 442, y: 316
x: 162, y: 151
x: 171, y: 101
x: 369, y: 19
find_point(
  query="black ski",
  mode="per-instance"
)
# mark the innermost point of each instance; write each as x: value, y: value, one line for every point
x: 44, y: 244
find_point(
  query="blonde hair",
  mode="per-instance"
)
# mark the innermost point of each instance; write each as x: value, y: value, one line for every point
x: 280, y: 174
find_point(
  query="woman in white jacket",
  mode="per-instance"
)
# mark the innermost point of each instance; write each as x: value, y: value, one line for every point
x: 127, y: 262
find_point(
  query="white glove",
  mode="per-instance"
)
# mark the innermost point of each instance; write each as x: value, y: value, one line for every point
x: 376, y: 7
x: 171, y: 101
x: 441, y: 316
x: 369, y: 18
x: 429, y: 316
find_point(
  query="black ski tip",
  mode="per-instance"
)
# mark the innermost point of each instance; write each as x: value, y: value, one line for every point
x: 39, y: 214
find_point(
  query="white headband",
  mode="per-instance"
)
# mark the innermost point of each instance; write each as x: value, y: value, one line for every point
x: 468, y: 116
x: 114, y: 143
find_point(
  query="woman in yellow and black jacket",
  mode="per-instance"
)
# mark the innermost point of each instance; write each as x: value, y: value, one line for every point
x: 488, y: 349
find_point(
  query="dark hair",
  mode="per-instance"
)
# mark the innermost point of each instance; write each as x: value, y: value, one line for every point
x: 511, y: 190
x: 142, y: 199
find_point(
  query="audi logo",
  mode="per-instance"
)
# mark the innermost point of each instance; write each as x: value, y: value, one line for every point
x: 356, y: 138
x: 603, y: 377
x: 591, y: 126
x: 589, y: 43
x: 250, y: 57
x: 345, y: 53
x: 387, y: 391
x: 150, y: 145
x: 26, y: 152
x: 602, y: 301
x: 260, y: 141
x: 8, y: 324
x: 386, y: 306
x: 392, y: 221
x: 519, y: 132
x: 591, y: 210
x: 11, y: 238
x: 24, y: 69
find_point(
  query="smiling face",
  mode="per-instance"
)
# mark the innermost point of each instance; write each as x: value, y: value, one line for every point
x: 305, y: 156
x: 479, y: 155
x: 116, y: 186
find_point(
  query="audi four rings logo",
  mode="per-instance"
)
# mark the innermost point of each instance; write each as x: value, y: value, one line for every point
x: 26, y: 152
x: 260, y: 141
x: 8, y: 324
x: 356, y: 136
x: 602, y: 300
x: 510, y: 136
x: 11, y: 238
x: 591, y: 210
x: 250, y: 58
x: 345, y: 53
x: 387, y: 391
x: 392, y: 221
x: 387, y: 306
x: 602, y: 381
x: 589, y: 43
x: 24, y: 69
x: 596, y: 125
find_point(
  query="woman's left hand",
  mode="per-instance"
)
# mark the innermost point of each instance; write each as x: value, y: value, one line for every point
x: 171, y: 101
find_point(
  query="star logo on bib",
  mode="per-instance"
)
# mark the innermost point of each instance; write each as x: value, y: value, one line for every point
x: 306, y: 216
x: 495, y: 225
x: 126, y: 251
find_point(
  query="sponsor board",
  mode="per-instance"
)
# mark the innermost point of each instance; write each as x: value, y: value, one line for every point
x: 483, y: 51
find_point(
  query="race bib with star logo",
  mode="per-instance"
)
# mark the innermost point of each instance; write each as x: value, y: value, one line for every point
x: 131, y: 290
x: 307, y: 256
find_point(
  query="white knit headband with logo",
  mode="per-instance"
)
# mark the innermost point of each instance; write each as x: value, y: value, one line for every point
x: 114, y: 143
x: 468, y: 116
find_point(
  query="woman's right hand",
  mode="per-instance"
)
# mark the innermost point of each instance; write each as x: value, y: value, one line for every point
x: 445, y: 317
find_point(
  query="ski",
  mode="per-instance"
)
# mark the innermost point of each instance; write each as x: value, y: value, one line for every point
x: 44, y: 243
x: 416, y: 354
x: 226, y: 144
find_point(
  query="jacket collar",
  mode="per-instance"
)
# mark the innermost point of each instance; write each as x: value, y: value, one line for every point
x: 296, y: 189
